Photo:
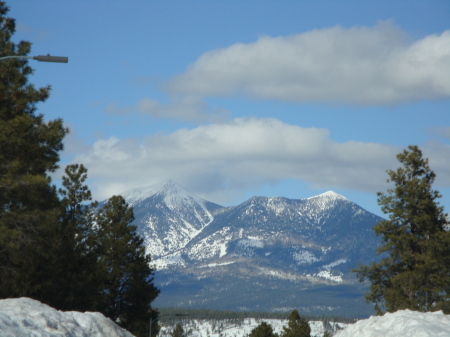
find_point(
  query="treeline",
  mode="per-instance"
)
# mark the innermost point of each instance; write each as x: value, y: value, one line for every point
x: 294, y: 326
x: 172, y: 315
x: 57, y: 245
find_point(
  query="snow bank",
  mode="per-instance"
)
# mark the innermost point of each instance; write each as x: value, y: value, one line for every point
x: 24, y: 317
x: 401, y: 323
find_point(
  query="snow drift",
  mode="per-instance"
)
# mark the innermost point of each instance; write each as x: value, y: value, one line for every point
x: 24, y: 317
x: 401, y: 323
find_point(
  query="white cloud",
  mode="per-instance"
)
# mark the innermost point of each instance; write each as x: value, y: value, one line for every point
x: 220, y: 161
x: 359, y: 66
x: 441, y: 131
x: 184, y: 108
x: 114, y: 109
x: 438, y: 154
x: 188, y: 108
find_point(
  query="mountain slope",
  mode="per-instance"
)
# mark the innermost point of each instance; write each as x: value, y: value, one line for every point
x: 306, y: 235
x: 168, y: 217
x: 264, y: 254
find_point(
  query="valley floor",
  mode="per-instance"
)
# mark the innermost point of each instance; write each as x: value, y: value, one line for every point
x: 401, y: 323
x: 231, y: 328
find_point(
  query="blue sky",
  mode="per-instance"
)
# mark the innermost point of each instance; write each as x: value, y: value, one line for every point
x: 239, y: 98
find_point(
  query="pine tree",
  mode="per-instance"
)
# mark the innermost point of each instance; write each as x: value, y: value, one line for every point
x: 29, y: 151
x: 327, y: 327
x: 263, y: 330
x: 178, y: 331
x: 415, y: 274
x: 127, y: 288
x: 75, y: 195
x: 77, y: 284
x: 297, y: 326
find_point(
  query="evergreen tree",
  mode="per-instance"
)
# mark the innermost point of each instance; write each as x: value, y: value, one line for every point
x: 127, y: 288
x: 77, y: 268
x: 416, y: 273
x: 297, y: 326
x: 75, y: 195
x: 51, y: 249
x: 327, y: 327
x: 29, y: 151
x: 263, y: 330
x: 178, y: 331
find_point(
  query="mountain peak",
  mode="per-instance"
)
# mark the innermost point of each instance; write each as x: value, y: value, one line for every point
x: 169, y: 184
x: 329, y: 195
x: 168, y: 188
x: 173, y: 192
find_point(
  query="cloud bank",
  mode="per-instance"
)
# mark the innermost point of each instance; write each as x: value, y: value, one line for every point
x: 362, y: 66
x: 182, y: 108
x: 220, y: 161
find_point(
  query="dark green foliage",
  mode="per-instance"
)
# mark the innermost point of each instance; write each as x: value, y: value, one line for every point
x: 75, y: 193
x: 178, y: 331
x: 416, y: 273
x: 263, y: 330
x: 127, y: 288
x: 76, y: 268
x: 29, y: 149
x: 106, y: 268
x: 297, y: 326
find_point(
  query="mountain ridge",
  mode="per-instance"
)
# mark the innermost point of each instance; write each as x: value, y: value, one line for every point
x: 263, y: 243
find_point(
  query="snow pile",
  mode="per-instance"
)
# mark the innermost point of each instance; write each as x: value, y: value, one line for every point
x: 401, y: 323
x: 24, y: 317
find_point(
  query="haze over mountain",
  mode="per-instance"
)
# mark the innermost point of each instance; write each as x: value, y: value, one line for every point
x: 266, y: 254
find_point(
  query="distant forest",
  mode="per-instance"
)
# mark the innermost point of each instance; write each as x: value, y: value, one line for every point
x: 173, y: 315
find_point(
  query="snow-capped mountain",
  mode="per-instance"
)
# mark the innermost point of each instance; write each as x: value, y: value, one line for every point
x: 168, y: 217
x: 233, y: 257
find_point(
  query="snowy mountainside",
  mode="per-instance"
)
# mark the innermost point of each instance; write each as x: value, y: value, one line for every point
x: 168, y: 217
x: 227, y: 257
x: 314, y: 235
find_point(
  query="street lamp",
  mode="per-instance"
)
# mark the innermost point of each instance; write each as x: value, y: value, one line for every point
x: 41, y: 58
x: 152, y: 320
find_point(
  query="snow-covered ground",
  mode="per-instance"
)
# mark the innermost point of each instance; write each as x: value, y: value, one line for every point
x: 401, y: 323
x: 24, y: 317
x: 404, y: 323
x: 229, y: 328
